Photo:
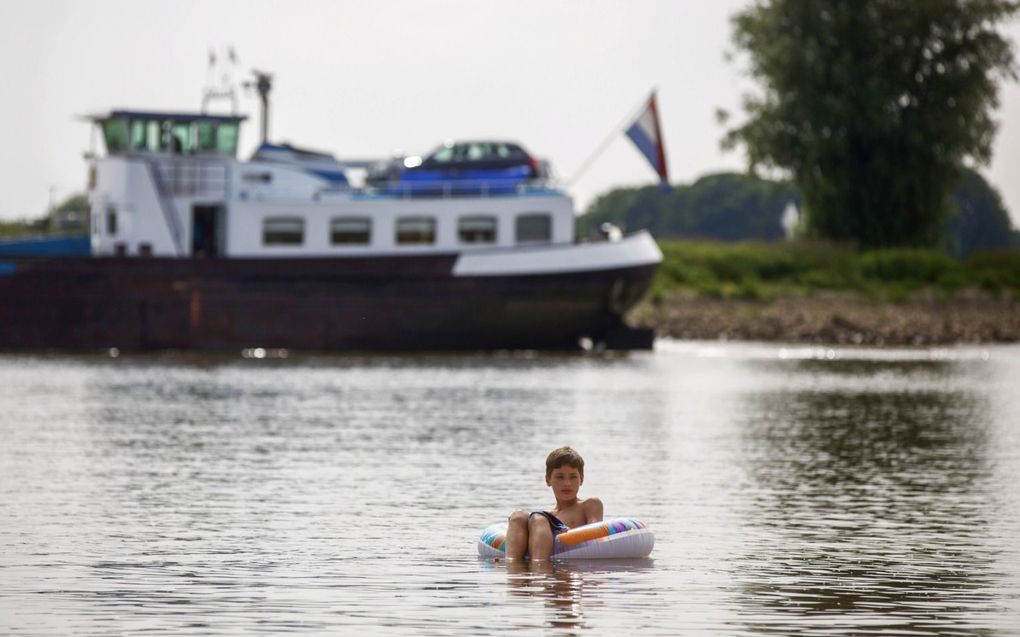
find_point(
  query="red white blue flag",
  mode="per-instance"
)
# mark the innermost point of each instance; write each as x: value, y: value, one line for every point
x: 646, y: 133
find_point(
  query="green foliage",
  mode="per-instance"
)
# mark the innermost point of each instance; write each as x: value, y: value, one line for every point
x: 766, y: 270
x: 726, y: 206
x: 733, y: 207
x: 873, y: 107
x: 24, y: 227
x: 995, y: 270
x: 69, y: 217
x: 981, y: 221
x: 905, y: 265
x: 74, y: 203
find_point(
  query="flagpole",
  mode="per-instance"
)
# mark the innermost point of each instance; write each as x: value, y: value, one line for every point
x: 612, y: 136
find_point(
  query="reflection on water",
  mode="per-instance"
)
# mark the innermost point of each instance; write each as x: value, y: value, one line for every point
x: 870, y: 509
x: 563, y: 585
x: 792, y: 491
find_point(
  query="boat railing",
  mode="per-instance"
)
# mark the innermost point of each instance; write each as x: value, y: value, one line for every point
x: 186, y: 176
x: 449, y: 189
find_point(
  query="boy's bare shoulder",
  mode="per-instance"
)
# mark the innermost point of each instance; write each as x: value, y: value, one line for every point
x: 592, y: 508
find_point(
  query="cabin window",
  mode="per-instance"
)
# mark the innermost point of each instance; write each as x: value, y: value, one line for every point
x: 180, y: 139
x: 534, y: 228
x: 479, y: 229
x: 146, y: 135
x: 206, y: 136
x: 115, y: 135
x: 155, y: 135
x: 350, y: 231
x: 111, y: 221
x: 283, y: 231
x: 138, y: 137
x: 416, y: 231
x: 226, y: 138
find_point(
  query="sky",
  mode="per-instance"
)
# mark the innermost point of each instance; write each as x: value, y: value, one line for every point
x: 367, y: 79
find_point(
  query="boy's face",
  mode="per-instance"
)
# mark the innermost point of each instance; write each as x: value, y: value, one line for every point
x: 565, y: 482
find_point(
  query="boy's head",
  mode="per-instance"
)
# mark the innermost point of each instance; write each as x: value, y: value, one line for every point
x: 564, y: 456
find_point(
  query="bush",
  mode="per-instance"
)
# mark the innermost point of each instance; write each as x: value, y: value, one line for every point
x: 764, y: 270
x: 907, y: 265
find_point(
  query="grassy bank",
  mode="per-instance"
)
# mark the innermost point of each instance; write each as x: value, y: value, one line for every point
x: 766, y: 271
x: 822, y: 293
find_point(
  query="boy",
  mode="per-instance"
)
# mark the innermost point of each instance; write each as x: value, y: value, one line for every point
x: 533, y: 532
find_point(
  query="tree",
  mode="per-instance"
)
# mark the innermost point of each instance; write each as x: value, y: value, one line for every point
x: 726, y: 207
x: 78, y: 202
x: 874, y: 107
x: 981, y: 221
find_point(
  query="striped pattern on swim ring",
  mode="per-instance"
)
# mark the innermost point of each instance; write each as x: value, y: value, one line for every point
x: 492, y: 537
x: 598, y: 530
x: 612, y: 538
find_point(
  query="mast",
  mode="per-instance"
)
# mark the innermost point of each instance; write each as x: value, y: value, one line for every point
x: 263, y: 84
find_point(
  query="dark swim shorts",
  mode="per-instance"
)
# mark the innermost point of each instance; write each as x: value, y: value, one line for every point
x: 555, y: 523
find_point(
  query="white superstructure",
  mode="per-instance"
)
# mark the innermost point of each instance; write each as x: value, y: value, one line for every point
x: 170, y: 185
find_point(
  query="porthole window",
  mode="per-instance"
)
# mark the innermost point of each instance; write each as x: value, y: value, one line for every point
x: 283, y: 231
x: 345, y: 231
x: 534, y: 228
x: 416, y: 231
x: 480, y: 229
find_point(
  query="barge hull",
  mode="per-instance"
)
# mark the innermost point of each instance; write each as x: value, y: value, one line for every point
x: 406, y: 303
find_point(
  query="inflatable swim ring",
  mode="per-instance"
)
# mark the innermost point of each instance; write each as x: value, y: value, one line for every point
x: 609, y: 539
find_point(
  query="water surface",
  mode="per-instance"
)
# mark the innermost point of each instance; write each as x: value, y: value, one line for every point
x: 793, y: 490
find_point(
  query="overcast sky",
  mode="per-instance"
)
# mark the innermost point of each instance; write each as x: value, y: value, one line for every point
x: 363, y: 79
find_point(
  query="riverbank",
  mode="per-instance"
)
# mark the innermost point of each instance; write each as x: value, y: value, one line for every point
x: 827, y: 293
x: 836, y: 318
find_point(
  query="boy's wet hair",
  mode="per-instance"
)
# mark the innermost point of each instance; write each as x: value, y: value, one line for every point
x: 563, y: 456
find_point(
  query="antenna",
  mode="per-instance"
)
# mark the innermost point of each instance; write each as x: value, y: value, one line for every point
x: 263, y: 84
x: 220, y: 79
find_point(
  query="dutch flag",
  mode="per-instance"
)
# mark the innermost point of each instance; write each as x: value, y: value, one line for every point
x: 646, y: 133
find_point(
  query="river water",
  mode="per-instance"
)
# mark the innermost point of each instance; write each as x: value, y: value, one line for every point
x: 793, y: 491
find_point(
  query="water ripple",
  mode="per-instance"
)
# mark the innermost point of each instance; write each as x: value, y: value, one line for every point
x: 796, y: 491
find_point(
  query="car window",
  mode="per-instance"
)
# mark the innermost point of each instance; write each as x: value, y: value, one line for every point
x: 476, y: 152
x: 444, y: 155
x: 513, y: 151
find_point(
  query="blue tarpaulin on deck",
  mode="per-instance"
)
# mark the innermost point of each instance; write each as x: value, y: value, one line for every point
x: 79, y: 246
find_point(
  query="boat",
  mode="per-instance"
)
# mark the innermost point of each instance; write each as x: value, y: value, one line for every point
x: 192, y: 248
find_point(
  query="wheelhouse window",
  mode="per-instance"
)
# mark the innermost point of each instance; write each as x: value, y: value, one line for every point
x: 416, y: 231
x: 206, y: 137
x: 180, y: 138
x: 283, y: 231
x: 226, y: 138
x: 346, y: 231
x: 478, y: 229
x: 138, y: 138
x: 534, y: 228
x: 115, y: 135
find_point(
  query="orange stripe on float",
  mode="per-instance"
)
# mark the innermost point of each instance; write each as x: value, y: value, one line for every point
x: 577, y: 536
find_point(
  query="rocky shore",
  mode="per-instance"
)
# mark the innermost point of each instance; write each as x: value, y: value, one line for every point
x: 837, y: 318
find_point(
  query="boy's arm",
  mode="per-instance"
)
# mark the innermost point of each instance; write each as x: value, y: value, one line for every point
x: 592, y: 510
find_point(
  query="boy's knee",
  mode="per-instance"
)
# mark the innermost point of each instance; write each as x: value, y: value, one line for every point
x: 519, y: 517
x: 539, y: 523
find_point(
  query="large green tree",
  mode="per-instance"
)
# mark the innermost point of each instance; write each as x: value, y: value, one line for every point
x: 874, y: 107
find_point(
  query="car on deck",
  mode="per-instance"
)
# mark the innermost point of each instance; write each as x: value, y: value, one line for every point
x: 483, y: 166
